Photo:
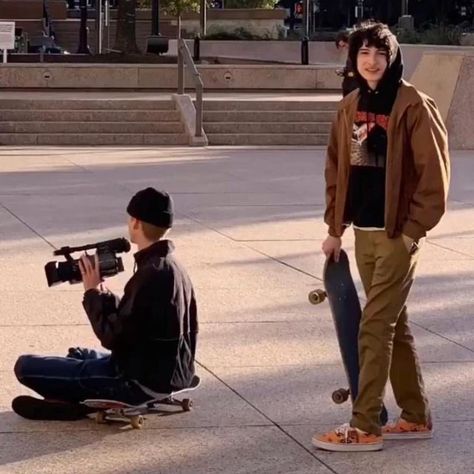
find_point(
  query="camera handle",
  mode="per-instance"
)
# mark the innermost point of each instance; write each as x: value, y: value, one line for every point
x: 66, y: 251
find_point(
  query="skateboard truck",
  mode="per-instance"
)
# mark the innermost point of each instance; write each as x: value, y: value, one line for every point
x: 113, y: 410
x: 317, y: 296
x: 116, y: 411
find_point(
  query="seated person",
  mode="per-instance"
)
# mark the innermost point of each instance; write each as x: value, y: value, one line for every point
x: 151, y: 332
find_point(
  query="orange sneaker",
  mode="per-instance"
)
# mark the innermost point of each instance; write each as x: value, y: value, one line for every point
x: 401, y: 429
x: 347, y: 438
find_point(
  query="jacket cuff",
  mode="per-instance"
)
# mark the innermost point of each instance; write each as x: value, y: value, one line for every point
x: 414, y: 230
x: 332, y: 232
x: 90, y: 293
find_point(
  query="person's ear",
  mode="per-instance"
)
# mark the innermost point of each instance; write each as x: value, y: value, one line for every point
x: 135, y: 223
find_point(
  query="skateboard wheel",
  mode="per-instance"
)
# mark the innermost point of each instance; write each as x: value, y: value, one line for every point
x: 100, y: 417
x: 316, y: 296
x: 137, y: 422
x: 187, y: 404
x: 340, y: 396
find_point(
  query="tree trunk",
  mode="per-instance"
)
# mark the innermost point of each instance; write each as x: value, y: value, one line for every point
x: 179, y: 25
x: 125, y: 38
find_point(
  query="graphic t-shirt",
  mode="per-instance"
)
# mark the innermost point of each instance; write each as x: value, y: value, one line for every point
x: 365, y: 205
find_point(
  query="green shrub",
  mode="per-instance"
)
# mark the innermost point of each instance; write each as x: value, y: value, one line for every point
x: 266, y: 4
x: 439, y: 34
x: 407, y: 36
x: 236, y: 34
x: 431, y: 34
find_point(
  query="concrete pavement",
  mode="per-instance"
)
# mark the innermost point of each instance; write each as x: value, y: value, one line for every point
x: 249, y: 226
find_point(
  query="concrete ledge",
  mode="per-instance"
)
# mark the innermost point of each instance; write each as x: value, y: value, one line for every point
x: 449, y: 78
x: 187, y: 110
x: 461, y: 118
x: 269, y: 77
x: 164, y: 76
x: 437, y: 76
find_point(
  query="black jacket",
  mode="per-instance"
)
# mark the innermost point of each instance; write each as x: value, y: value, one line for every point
x: 152, y: 330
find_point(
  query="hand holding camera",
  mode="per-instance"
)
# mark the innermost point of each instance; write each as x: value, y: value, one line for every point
x: 90, y: 272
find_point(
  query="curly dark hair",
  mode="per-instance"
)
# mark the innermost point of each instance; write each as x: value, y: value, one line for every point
x: 372, y: 33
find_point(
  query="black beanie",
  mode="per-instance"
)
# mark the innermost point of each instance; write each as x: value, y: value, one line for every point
x: 152, y: 206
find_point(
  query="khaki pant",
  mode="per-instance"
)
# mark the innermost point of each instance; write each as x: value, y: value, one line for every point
x: 386, y: 345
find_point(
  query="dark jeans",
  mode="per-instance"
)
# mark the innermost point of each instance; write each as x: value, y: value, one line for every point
x: 87, y: 374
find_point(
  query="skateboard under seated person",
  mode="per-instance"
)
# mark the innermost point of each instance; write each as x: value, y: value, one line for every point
x: 150, y: 333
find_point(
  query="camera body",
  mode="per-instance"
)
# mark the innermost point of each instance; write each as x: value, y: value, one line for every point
x: 109, y: 263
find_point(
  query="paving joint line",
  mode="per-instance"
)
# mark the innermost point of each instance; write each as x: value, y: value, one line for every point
x: 431, y: 242
x: 442, y: 336
x: 27, y: 225
x: 274, y: 423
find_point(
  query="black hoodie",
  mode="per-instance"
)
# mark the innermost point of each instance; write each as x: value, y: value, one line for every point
x: 365, y: 206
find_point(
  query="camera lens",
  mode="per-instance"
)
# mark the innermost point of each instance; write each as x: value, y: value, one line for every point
x: 51, y: 273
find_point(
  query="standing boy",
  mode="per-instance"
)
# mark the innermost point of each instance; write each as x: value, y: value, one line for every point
x: 387, y: 174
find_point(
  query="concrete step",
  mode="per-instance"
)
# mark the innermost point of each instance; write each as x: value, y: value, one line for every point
x: 89, y: 115
x: 91, y: 127
x: 267, y: 105
x: 266, y: 127
x: 89, y: 139
x: 242, y: 139
x: 268, y: 116
x: 86, y: 104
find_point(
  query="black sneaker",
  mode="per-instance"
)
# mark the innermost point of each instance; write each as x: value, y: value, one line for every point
x: 39, y: 409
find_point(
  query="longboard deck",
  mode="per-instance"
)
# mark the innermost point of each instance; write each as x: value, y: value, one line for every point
x: 161, y: 397
x: 346, y: 311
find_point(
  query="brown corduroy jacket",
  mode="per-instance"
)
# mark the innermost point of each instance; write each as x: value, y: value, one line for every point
x: 417, y: 166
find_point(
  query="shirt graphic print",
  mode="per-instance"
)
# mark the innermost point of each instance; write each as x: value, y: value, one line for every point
x: 369, y: 128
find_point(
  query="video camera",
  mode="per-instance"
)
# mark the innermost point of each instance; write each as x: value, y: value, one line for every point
x: 109, y: 263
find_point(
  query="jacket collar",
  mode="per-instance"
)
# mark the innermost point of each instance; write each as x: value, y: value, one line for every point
x: 406, y: 96
x: 160, y: 249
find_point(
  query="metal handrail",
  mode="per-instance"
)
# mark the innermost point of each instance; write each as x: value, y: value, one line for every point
x: 184, y: 56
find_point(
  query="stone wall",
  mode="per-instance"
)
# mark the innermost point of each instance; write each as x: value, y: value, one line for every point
x: 164, y: 77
